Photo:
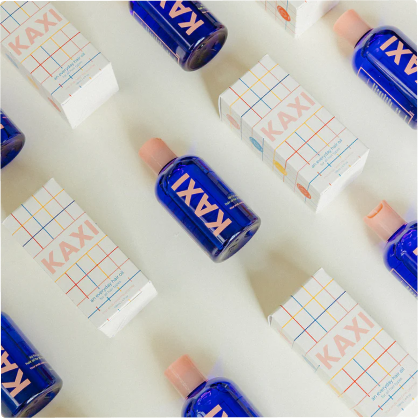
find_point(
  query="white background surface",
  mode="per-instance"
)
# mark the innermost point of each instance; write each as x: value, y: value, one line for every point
x: 215, y: 313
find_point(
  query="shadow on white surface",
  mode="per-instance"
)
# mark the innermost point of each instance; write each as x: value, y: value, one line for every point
x: 217, y: 81
x: 276, y: 280
x: 139, y: 133
x: 19, y: 182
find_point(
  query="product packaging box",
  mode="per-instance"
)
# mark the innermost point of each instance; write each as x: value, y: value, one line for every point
x: 56, y: 58
x: 347, y: 348
x: 292, y: 133
x: 296, y: 16
x: 80, y: 258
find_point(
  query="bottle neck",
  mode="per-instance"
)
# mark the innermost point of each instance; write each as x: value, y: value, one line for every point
x: 396, y: 233
x: 197, y: 390
x: 363, y: 37
x: 167, y: 165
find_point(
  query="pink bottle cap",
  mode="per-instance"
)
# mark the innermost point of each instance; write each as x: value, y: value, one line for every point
x: 156, y: 154
x: 351, y: 26
x: 184, y: 375
x: 384, y: 220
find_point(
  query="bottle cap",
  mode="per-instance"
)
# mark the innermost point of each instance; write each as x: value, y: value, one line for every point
x: 384, y: 220
x: 351, y: 26
x: 184, y: 375
x: 156, y: 154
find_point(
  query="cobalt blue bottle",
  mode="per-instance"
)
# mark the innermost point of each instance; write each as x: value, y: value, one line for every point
x: 386, y: 60
x: 12, y: 140
x: 207, y: 398
x: 185, y: 29
x: 219, y: 221
x: 28, y: 383
x: 401, y: 248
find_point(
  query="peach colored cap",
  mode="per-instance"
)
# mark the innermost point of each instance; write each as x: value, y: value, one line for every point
x: 384, y: 220
x: 156, y: 154
x: 351, y: 26
x: 184, y: 375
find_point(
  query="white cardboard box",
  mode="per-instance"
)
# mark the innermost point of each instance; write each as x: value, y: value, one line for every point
x: 292, y: 133
x: 80, y: 258
x: 56, y: 58
x: 347, y: 348
x: 296, y: 16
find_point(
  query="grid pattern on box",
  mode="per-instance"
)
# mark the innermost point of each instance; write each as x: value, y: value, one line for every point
x: 312, y: 315
x: 59, y: 59
x: 42, y: 219
x: 309, y: 141
x: 92, y: 272
x: 380, y: 359
x: 49, y: 60
x: 16, y: 13
x: 258, y: 93
x: 320, y: 310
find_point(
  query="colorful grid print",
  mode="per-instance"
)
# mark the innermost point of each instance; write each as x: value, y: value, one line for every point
x: 56, y: 58
x: 15, y: 13
x: 293, y: 134
x: 296, y: 16
x: 358, y: 359
x: 83, y: 261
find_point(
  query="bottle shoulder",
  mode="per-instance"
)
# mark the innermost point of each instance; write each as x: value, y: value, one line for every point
x: 375, y: 38
x: 400, y: 253
x: 211, y: 390
x: 185, y: 162
x: 406, y: 232
x: 376, y: 61
x: 376, y: 33
x: 218, y: 384
x: 5, y: 319
x: 404, y: 240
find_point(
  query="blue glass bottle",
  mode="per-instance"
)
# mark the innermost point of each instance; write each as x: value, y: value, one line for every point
x: 386, y: 60
x: 217, y: 397
x: 28, y: 383
x: 218, y: 220
x: 12, y: 140
x: 185, y: 29
x: 401, y: 249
